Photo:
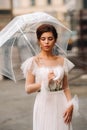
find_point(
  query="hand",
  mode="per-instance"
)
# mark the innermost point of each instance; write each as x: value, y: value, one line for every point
x: 68, y: 114
x: 57, y: 81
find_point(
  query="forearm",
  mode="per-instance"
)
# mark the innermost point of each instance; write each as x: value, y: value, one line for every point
x: 30, y: 88
x: 67, y: 93
x: 69, y: 98
x: 66, y: 88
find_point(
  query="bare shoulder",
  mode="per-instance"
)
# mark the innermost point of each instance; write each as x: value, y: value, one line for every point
x: 60, y: 58
x: 33, y: 58
x: 36, y: 59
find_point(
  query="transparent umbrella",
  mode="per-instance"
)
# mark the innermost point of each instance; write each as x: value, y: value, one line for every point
x: 18, y: 41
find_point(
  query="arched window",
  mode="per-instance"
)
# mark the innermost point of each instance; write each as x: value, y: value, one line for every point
x: 49, y: 2
x: 32, y: 2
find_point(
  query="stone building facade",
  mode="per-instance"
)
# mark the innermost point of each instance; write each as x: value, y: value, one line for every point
x: 12, y: 8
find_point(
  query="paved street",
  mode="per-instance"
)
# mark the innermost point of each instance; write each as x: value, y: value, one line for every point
x: 16, y: 107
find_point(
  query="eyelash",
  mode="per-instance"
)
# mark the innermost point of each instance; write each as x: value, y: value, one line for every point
x: 50, y: 39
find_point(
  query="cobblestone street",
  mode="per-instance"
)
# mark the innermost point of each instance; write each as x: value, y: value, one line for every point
x: 16, y: 107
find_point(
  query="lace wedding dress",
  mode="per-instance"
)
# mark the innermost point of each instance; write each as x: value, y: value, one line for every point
x: 50, y: 103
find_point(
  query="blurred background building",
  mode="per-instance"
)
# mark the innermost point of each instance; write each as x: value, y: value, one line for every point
x: 12, y: 8
x: 72, y: 13
x: 65, y: 10
x: 62, y: 9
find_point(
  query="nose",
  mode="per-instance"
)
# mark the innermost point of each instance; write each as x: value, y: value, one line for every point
x: 46, y: 41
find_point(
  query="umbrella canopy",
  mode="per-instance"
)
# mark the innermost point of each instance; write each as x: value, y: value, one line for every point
x: 18, y: 41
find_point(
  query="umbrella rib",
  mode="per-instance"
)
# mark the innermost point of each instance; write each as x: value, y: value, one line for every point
x: 61, y: 49
x: 11, y: 63
x: 27, y: 39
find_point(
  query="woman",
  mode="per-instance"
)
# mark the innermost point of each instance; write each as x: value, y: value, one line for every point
x: 47, y: 74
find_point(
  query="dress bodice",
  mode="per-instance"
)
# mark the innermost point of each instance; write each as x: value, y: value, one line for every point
x: 41, y: 75
x: 41, y: 72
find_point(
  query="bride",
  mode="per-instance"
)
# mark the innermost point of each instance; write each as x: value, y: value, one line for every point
x: 47, y: 74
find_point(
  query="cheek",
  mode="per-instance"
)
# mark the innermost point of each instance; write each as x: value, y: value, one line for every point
x: 40, y: 44
x: 53, y: 44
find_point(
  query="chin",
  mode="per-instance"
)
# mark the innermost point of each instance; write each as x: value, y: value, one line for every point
x: 47, y: 50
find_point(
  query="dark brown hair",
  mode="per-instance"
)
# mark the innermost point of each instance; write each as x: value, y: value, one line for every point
x: 46, y: 28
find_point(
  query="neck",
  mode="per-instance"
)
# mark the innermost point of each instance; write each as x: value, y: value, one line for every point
x: 46, y: 54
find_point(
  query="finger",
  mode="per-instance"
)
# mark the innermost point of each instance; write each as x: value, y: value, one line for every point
x: 67, y: 118
x: 65, y: 113
x: 57, y: 82
x: 51, y: 75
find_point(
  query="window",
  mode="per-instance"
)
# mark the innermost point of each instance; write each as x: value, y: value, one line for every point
x: 65, y: 1
x: 48, y: 2
x: 85, y: 3
x: 32, y: 2
x: 5, y: 4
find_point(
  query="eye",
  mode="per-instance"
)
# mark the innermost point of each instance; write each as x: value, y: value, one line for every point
x: 42, y: 38
x: 50, y: 38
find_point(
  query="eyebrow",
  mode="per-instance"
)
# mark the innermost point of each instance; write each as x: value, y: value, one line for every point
x: 47, y: 37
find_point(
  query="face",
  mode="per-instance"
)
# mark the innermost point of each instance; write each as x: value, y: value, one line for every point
x: 47, y: 41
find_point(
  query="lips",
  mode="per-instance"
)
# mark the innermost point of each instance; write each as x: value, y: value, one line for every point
x: 46, y: 46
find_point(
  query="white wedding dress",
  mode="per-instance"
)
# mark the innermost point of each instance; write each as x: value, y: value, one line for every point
x: 50, y: 103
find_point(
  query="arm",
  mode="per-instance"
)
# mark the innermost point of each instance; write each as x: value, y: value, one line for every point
x: 69, y: 110
x: 30, y: 85
x: 66, y: 88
